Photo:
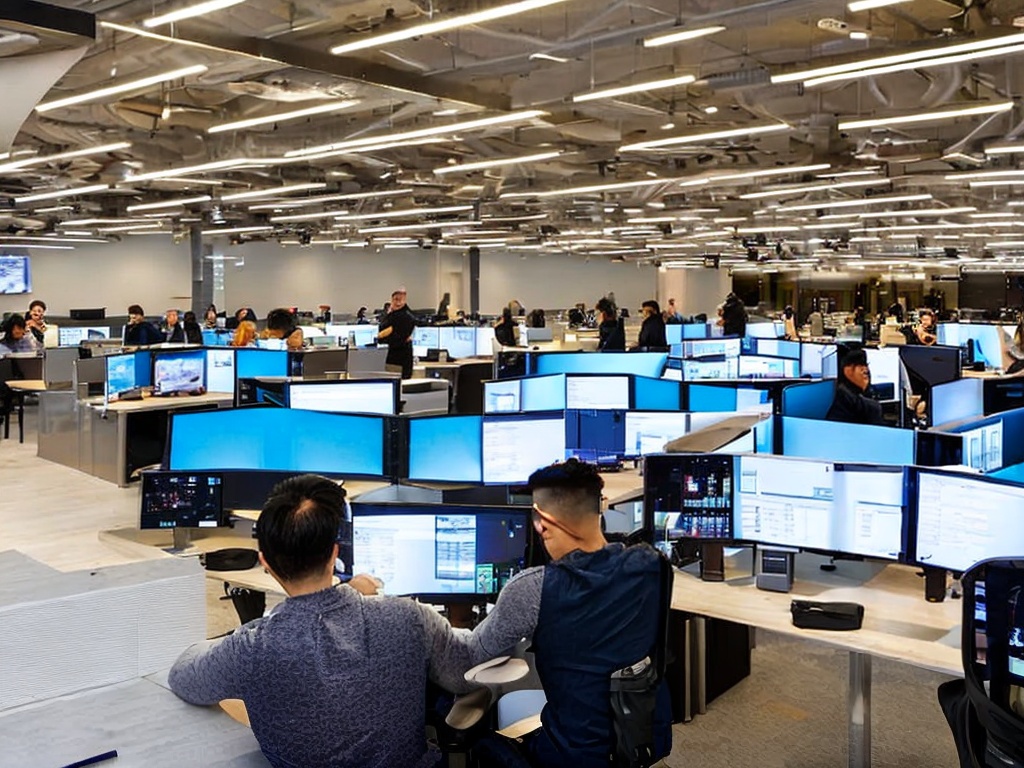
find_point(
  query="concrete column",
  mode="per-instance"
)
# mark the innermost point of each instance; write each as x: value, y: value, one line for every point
x: 202, y: 271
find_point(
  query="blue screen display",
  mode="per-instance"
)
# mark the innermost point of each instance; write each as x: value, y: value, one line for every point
x: 595, y: 436
x: 179, y: 371
x: 696, y: 331
x: 259, y: 362
x: 543, y: 393
x: 216, y: 339
x: 120, y: 373
x: 656, y: 394
x: 15, y: 274
x: 705, y: 398
x: 650, y: 364
x: 446, y: 449
x: 988, y: 343
x: 674, y: 333
x: 764, y: 436
x: 838, y: 441
x: 808, y: 401
x: 278, y: 439
x: 956, y: 400
x: 779, y: 348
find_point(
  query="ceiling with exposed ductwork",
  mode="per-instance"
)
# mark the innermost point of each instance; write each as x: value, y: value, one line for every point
x: 496, y: 133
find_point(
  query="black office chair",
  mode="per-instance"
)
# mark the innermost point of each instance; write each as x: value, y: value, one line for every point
x: 11, y: 400
x: 985, y: 710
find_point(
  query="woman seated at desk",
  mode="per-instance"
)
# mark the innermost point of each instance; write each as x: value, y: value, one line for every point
x: 926, y: 330
x: 504, y: 329
x: 16, y: 337
x: 849, y: 403
x: 245, y: 334
x: 281, y: 325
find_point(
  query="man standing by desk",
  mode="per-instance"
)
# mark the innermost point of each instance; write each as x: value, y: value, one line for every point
x: 330, y: 677
x: 396, y: 331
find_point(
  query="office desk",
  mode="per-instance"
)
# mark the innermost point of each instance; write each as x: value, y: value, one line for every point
x: 146, y: 723
x: 898, y: 623
x: 27, y: 385
x: 20, y: 388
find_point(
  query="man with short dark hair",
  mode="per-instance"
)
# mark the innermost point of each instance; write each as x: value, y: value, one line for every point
x: 140, y: 332
x: 652, y: 330
x: 173, y: 331
x: 589, y: 613
x: 331, y: 676
x: 849, y: 403
x: 396, y: 331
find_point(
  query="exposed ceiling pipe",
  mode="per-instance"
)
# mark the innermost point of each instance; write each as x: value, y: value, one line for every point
x: 876, y: 90
x: 940, y: 92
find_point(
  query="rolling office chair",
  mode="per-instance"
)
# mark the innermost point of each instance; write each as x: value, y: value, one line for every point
x: 633, y: 695
x: 985, y: 710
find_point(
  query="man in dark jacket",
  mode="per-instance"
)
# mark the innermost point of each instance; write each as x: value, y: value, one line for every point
x: 139, y: 332
x: 652, y: 330
x: 611, y: 333
x: 734, y: 316
x: 850, y: 404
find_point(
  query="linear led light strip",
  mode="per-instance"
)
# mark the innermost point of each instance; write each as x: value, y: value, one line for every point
x: 613, y: 187
x: 283, y: 117
x: 235, y: 231
x: 21, y: 238
x: 168, y: 204
x: 1004, y: 149
x: 924, y: 117
x: 417, y: 227
x: 622, y: 90
x: 973, y: 176
x: 855, y: 203
x: 272, y: 191
x: 307, y: 216
x: 113, y: 90
x: 43, y: 160
x: 496, y: 163
x: 342, y: 218
x: 200, y: 9
x: 216, y: 165
x: 919, y: 212
x: 900, y: 58
x: 330, y: 199
x: 443, y: 25
x: 70, y: 192
x: 814, y: 188
x: 39, y: 247
x: 697, y: 138
x: 866, y: 5
x: 398, y: 138
x: 680, y: 35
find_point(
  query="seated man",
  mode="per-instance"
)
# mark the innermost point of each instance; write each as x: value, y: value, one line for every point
x: 590, y: 612
x: 849, y: 403
x: 139, y: 332
x: 330, y: 677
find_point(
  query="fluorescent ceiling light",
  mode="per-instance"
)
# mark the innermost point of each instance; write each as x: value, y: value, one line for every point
x: 416, y: 227
x: 235, y: 231
x: 919, y: 212
x: 997, y: 183
x: 443, y: 25
x: 697, y: 138
x: 780, y: 171
x: 36, y: 247
x: 168, y: 204
x: 651, y: 85
x: 437, y: 130
x: 282, y: 117
x: 548, y: 57
x: 866, y: 172
x: 130, y: 227
x: 495, y: 163
x: 342, y: 218
x: 307, y: 216
x: 1004, y: 149
x: 20, y: 238
x: 200, y: 9
x: 978, y: 175
x: 272, y: 191
x: 70, y: 192
x: 54, y: 209
x: 924, y: 117
x: 613, y: 187
x: 133, y: 85
x: 44, y: 159
x: 865, y: 5
x: 854, y: 203
x: 216, y: 165
x: 680, y: 35
x: 321, y: 199
x: 814, y: 188
x: 883, y: 61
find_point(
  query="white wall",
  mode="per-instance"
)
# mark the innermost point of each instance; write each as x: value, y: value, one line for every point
x: 695, y: 290
x: 150, y: 271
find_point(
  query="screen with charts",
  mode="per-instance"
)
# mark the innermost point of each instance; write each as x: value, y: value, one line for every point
x: 362, y: 335
x: 597, y: 392
x: 514, y: 447
x: 425, y: 338
x: 869, y: 511
x: 702, y: 370
x: 72, y: 337
x: 711, y: 348
x: 983, y: 447
x: 446, y: 449
x: 125, y: 372
x: 379, y: 397
x: 689, y: 496
x: 181, y: 500
x: 649, y: 431
x: 962, y: 519
x: 502, y: 396
x: 812, y: 358
x: 768, y: 367
x: 220, y: 370
x: 15, y: 274
x: 779, y: 348
x: 179, y: 372
x: 458, y: 340
x: 439, y: 551
x: 785, y: 501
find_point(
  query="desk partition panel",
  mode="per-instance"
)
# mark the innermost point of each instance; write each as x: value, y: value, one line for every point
x: 838, y: 441
x: 956, y: 401
x: 651, y: 364
x: 808, y: 401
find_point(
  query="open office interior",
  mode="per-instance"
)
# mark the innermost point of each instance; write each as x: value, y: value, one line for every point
x: 814, y: 194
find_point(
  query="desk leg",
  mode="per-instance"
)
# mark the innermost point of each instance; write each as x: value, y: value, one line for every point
x: 700, y: 664
x: 859, y: 706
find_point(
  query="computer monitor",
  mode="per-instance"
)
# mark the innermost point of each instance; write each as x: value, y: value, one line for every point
x: 458, y: 340
x: 757, y: 366
x: 279, y: 439
x: 988, y: 341
x: 179, y: 371
x: 929, y: 366
x: 870, y: 511
x: 503, y: 396
x: 948, y: 334
x: 361, y: 396
x: 361, y: 335
x: 484, y: 341
x: 673, y: 333
x: 597, y: 392
x: 706, y: 398
x: 963, y: 519
x: 762, y: 330
x: 446, y: 449
x: 779, y: 348
x: 425, y: 338
x: 812, y: 358
x: 656, y: 394
x: 885, y: 373
x: 253, y: 363
x: 689, y: 496
x: 515, y: 446
x: 983, y: 445
x: 648, y: 431
x: 440, y: 553
x: 956, y: 400
x: 220, y: 370
x: 182, y: 500
x: 650, y: 364
x: 124, y: 372
x: 717, y: 348
x: 596, y: 436
x: 72, y: 337
x: 703, y: 370
x: 543, y: 393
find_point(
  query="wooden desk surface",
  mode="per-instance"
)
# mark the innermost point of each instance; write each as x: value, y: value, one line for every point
x: 164, y: 403
x: 27, y: 385
x: 899, y: 623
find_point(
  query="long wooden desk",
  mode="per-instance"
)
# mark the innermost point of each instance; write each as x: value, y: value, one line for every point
x: 20, y: 388
x: 898, y: 623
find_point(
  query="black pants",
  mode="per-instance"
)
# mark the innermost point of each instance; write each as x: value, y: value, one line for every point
x: 401, y: 356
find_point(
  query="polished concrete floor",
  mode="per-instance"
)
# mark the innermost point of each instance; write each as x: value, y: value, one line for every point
x: 790, y: 713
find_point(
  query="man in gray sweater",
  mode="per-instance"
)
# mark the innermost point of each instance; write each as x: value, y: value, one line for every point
x: 332, y: 677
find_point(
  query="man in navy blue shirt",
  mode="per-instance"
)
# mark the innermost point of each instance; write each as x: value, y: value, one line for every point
x: 590, y: 612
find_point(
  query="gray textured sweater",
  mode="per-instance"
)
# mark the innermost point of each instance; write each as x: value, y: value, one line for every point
x: 333, y: 678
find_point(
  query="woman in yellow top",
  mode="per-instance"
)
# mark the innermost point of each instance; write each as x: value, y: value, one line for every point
x: 245, y: 334
x: 927, y: 330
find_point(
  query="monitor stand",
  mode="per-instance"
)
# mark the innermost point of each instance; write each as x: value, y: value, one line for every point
x: 182, y: 544
x: 934, y: 584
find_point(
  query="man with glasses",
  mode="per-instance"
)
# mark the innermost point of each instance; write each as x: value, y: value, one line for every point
x: 591, y: 611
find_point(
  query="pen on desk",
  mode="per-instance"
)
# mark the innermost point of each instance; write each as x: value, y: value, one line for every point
x: 93, y: 760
